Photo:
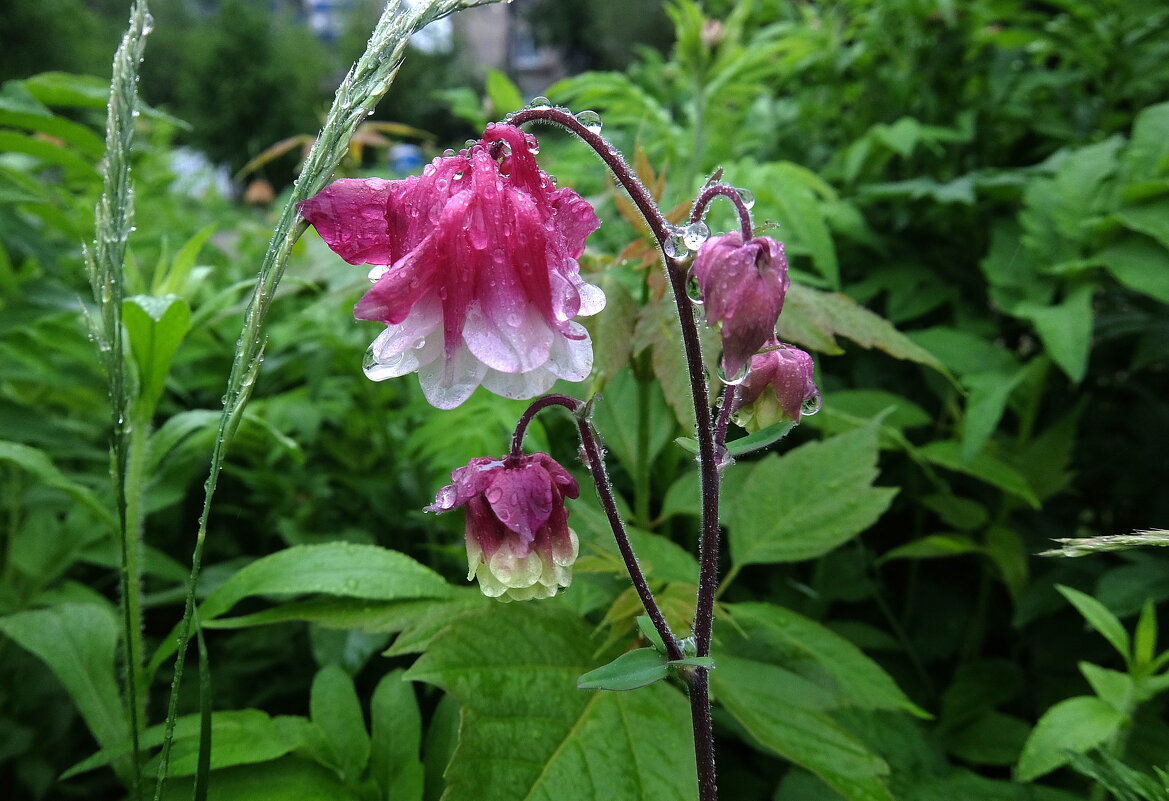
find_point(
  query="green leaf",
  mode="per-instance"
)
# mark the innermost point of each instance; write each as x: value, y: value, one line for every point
x: 770, y: 633
x: 1151, y: 219
x: 175, y: 280
x: 1111, y: 686
x: 1066, y: 329
x: 634, y: 420
x: 788, y: 722
x: 814, y: 319
x: 1073, y: 726
x: 991, y: 739
x: 505, y: 96
x: 38, y: 465
x: 397, y: 739
x: 650, y: 632
x: 984, y: 467
x: 78, y: 642
x: 932, y: 547
x: 529, y: 733
x: 342, y: 569
x: 989, y: 393
x: 67, y: 89
x: 155, y: 326
x: 1140, y: 264
x: 1144, y: 641
x: 807, y: 502
x: 335, y: 709
x: 760, y: 439
x: 638, y: 668
x: 286, y: 779
x: 1099, y: 618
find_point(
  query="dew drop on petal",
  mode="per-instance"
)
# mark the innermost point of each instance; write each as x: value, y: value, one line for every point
x: 493, y: 494
x: 693, y: 288
x: 377, y: 271
x: 590, y: 120
x: 737, y: 378
x: 695, y: 234
x: 747, y: 196
x: 811, y: 405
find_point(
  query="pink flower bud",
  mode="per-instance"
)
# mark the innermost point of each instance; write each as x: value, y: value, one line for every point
x: 481, y: 282
x: 743, y: 285
x: 519, y: 545
x: 780, y: 386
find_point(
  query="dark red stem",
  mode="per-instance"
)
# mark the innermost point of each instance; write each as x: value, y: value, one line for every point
x: 712, y: 191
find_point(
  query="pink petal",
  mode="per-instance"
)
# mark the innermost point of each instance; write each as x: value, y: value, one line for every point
x: 350, y: 215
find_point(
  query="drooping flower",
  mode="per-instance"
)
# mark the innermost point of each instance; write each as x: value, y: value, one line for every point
x: 519, y: 544
x: 780, y: 386
x: 742, y: 285
x: 480, y: 282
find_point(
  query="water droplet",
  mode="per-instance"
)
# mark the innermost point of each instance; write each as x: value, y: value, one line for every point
x: 539, y: 101
x: 737, y: 378
x: 420, y: 344
x: 147, y: 24
x: 747, y: 196
x: 590, y: 120
x: 514, y: 320
x: 493, y: 494
x: 693, y: 288
x: 811, y: 405
x: 695, y: 234
x: 369, y: 361
x: 446, y: 154
x: 675, y: 245
x: 377, y: 271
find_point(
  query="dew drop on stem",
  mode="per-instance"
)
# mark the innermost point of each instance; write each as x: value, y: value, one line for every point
x: 747, y: 196
x: 694, y: 234
x: 737, y: 378
x: 590, y: 120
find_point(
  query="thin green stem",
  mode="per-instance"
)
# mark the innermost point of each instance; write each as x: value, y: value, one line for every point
x: 132, y: 544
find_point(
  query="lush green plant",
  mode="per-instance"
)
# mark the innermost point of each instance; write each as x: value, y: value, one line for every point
x: 991, y: 179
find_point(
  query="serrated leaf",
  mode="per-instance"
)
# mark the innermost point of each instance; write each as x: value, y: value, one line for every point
x: 807, y: 502
x: 1099, y: 618
x: 529, y: 733
x: 772, y: 634
x: 814, y: 319
x: 637, y: 668
x: 341, y: 569
x: 1073, y: 726
x: 994, y: 471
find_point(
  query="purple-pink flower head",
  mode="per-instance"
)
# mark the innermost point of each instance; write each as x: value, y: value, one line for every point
x: 742, y: 285
x: 519, y: 544
x: 481, y: 281
x: 780, y: 386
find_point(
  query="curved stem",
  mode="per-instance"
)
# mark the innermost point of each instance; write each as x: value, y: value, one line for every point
x: 724, y: 415
x: 709, y: 193
x: 596, y: 465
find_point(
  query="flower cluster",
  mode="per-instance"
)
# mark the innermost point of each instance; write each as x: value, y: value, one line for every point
x: 479, y: 282
x: 519, y: 545
x: 743, y: 284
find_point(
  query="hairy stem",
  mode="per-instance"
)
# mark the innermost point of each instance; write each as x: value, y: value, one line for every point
x: 712, y: 191
x: 596, y: 464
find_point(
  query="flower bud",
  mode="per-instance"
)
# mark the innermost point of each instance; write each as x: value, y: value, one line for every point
x: 519, y: 545
x: 743, y: 285
x: 780, y: 386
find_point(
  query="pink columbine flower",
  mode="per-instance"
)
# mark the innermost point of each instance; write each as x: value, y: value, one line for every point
x: 743, y: 285
x: 519, y: 544
x: 780, y: 386
x: 480, y: 282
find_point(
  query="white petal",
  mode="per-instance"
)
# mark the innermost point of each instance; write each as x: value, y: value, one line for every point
x: 511, y: 341
x: 572, y: 359
x: 519, y: 386
x: 592, y: 299
x: 447, y: 383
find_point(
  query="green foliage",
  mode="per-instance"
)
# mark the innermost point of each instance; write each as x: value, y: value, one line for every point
x: 973, y: 200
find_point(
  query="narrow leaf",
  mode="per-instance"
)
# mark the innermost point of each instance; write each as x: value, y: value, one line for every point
x: 631, y: 670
